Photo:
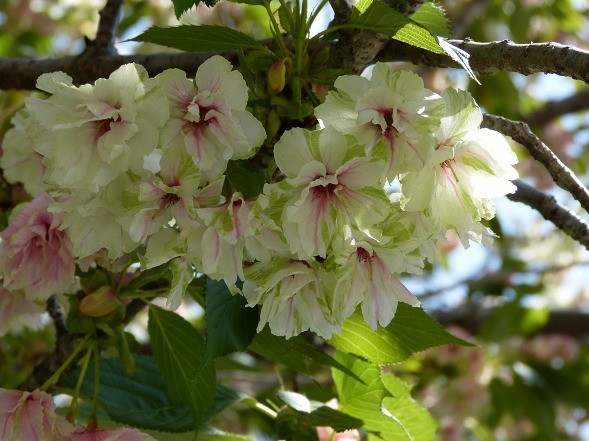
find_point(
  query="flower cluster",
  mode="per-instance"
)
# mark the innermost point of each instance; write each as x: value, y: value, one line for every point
x: 136, y: 166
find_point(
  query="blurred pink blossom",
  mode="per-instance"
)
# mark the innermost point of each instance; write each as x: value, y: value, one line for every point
x: 94, y: 434
x: 17, y: 312
x: 34, y: 254
x: 29, y: 416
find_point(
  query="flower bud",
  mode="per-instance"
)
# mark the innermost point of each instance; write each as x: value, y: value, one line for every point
x: 277, y: 76
x: 99, y: 303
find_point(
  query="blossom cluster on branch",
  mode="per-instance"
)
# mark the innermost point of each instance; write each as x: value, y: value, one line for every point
x: 133, y: 168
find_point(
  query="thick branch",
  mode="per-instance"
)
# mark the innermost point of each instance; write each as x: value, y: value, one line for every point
x: 105, y: 36
x: 561, y: 174
x: 554, y: 109
x: 342, y: 10
x: 571, y: 323
x: 486, y: 58
x: 356, y: 49
x: 23, y: 73
x: 546, y: 205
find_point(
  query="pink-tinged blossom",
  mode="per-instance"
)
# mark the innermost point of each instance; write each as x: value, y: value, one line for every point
x: 35, y: 255
x: 331, y: 188
x: 16, y: 312
x: 95, y: 434
x: 223, y: 240
x: 468, y: 168
x: 367, y: 276
x: 30, y: 416
x: 208, y: 116
x: 174, y: 193
x: 93, y: 133
x: 294, y: 295
x: 393, y: 108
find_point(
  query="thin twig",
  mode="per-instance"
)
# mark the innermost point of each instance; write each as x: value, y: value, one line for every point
x: 551, y: 110
x: 105, y: 36
x: 566, y: 220
x: 562, y: 175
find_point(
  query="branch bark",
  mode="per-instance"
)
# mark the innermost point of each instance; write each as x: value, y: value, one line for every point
x: 485, y: 58
x: 561, y: 174
x: 563, y: 218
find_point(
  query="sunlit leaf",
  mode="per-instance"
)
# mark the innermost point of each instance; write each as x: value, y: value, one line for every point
x: 412, y: 330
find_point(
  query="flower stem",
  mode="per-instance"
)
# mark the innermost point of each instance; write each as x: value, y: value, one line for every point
x: 55, y: 377
x: 94, y: 410
x: 72, y: 412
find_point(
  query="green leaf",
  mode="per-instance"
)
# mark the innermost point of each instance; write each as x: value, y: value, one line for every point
x: 278, y: 350
x: 181, y: 6
x: 392, y: 417
x: 432, y: 18
x: 231, y: 325
x: 139, y: 400
x: 245, y: 179
x: 224, y: 397
x: 178, y: 350
x: 290, y: 352
x: 316, y: 414
x: 376, y: 16
x: 199, y: 38
x: 411, y: 330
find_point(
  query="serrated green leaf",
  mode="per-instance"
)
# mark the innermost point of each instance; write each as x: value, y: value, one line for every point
x: 181, y: 6
x: 411, y: 330
x: 139, y: 400
x: 245, y: 179
x: 432, y: 18
x: 178, y: 350
x: 376, y: 16
x: 203, y: 38
x: 394, y: 418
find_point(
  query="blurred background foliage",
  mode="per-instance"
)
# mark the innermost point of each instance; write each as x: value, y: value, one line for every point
x: 526, y: 379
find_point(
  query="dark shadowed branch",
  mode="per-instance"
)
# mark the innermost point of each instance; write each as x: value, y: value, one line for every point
x: 561, y: 174
x: 552, y: 110
x: 566, y: 220
x: 471, y: 318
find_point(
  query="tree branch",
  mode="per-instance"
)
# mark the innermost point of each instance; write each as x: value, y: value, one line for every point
x: 554, y: 109
x: 487, y: 58
x: 105, y: 35
x: 566, y: 220
x: 342, y: 9
x: 561, y: 174
x: 571, y: 323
